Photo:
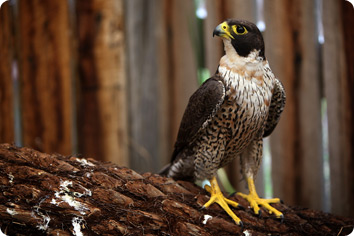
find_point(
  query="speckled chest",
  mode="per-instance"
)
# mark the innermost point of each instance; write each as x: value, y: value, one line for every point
x: 242, y: 116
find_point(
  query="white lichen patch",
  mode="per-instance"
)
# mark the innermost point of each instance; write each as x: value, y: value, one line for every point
x: 1, y: 233
x: 76, y: 222
x: 11, y: 211
x: 64, y: 185
x: 66, y: 195
x: 87, y: 192
x: 45, y: 222
x: 11, y: 177
x: 53, y: 201
x: 247, y: 233
x: 84, y: 162
x: 45, y: 219
x: 206, y: 218
x: 88, y: 174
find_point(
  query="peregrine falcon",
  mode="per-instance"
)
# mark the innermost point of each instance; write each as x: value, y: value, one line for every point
x: 228, y: 117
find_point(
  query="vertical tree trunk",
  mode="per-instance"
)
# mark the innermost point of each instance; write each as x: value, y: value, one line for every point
x: 280, y: 53
x: 148, y: 84
x: 337, y: 94
x: 102, y: 118
x: 348, y: 35
x: 309, y: 157
x: 7, y: 47
x: 46, y: 85
x: 214, y: 49
x: 183, y: 78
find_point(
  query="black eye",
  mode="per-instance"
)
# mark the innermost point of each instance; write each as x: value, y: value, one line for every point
x: 240, y: 29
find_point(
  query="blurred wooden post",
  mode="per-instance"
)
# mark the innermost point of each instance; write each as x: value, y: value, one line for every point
x: 293, y: 52
x: 310, y: 179
x: 338, y: 94
x: 7, y: 45
x: 183, y: 60
x: 280, y: 53
x: 348, y: 35
x: 213, y: 46
x: 164, y: 76
x: 148, y: 84
x: 45, y: 75
x: 102, y: 117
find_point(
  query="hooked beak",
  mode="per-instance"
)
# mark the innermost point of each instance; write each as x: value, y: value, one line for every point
x: 223, y: 30
x: 217, y: 31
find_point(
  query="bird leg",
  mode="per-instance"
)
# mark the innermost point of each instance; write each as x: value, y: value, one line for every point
x: 218, y: 197
x: 255, y: 201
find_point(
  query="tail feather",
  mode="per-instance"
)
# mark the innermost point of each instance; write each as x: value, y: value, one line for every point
x: 164, y: 171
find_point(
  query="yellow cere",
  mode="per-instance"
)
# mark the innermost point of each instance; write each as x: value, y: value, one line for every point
x: 226, y: 29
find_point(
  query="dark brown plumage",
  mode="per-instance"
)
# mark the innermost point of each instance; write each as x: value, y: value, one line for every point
x: 228, y: 116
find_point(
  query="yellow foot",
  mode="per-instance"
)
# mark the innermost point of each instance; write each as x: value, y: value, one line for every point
x: 256, y: 201
x: 218, y: 197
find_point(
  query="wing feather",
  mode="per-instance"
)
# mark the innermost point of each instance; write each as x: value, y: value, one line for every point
x: 202, y: 106
x: 276, y: 108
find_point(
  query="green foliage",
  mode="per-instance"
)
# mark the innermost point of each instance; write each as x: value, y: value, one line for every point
x: 203, y: 75
x: 224, y: 180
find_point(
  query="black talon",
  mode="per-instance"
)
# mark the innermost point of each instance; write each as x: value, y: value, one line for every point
x: 259, y: 213
x: 281, y: 218
x: 281, y: 201
x: 240, y: 207
x: 241, y: 225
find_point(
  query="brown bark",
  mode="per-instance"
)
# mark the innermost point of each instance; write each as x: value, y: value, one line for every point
x: 281, y: 58
x: 102, y: 88
x: 347, y: 18
x: 44, y: 57
x: 148, y: 79
x: 338, y: 96
x: 6, y: 84
x: 52, y: 194
x: 182, y: 55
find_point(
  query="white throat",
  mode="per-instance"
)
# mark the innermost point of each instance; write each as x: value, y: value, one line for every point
x: 251, y: 64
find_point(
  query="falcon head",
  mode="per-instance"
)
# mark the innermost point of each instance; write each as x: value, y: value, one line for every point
x: 244, y: 36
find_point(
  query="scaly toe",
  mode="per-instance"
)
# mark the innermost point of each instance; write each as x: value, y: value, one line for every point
x: 255, y: 202
x: 232, y: 203
x: 272, y: 200
x: 218, y: 197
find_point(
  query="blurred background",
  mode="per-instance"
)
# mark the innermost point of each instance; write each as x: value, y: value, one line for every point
x: 110, y: 79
